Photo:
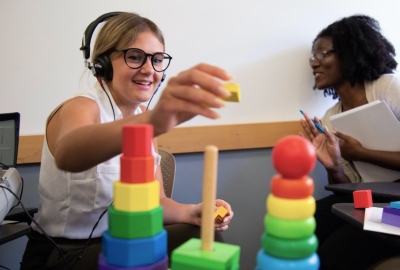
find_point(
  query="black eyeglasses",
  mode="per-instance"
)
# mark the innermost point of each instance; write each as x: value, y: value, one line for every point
x: 320, y: 55
x: 136, y: 58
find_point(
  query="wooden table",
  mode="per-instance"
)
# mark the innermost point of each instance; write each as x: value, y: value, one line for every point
x: 355, y: 216
x: 9, y: 232
x: 381, y: 191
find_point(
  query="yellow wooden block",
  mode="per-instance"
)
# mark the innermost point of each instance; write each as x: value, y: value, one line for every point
x: 136, y: 197
x: 220, y: 213
x: 234, y: 88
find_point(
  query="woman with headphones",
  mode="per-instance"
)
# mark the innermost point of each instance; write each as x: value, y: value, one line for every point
x: 83, y: 141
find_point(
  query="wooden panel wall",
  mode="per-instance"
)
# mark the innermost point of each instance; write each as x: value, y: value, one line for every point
x: 193, y: 139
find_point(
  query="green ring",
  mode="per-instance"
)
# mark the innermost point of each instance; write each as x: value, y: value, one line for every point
x: 289, y: 229
x: 289, y: 249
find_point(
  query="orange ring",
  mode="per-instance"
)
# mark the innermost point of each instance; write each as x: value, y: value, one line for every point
x: 299, y: 188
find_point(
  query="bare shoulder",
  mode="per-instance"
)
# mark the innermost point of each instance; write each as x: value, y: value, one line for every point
x: 79, y: 111
x: 80, y: 101
x: 72, y: 113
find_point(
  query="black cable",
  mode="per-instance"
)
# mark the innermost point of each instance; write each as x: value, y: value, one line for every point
x: 109, y: 99
x: 20, y: 196
x: 148, y: 104
x: 4, y: 165
x: 40, y: 228
x: 51, y: 240
x: 90, y: 236
x: 112, y: 107
x: 4, y: 267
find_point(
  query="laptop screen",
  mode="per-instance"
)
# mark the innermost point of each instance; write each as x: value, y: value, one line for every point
x: 9, y: 138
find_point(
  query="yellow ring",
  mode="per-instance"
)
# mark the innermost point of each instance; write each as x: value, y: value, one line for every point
x: 290, y: 209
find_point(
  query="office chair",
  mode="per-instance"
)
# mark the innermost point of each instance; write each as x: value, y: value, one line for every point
x: 168, y: 171
x: 387, y: 264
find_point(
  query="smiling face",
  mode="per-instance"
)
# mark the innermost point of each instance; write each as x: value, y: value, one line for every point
x: 327, y: 72
x: 131, y: 87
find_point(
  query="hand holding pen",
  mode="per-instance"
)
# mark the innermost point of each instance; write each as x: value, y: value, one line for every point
x: 324, y: 141
x: 318, y: 126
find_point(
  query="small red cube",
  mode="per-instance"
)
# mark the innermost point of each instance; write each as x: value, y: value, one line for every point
x: 362, y: 198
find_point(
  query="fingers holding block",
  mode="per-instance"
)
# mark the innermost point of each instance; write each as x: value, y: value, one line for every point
x: 220, y: 214
x: 234, y: 89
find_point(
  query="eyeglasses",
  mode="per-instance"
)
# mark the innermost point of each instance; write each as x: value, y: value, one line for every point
x: 320, y: 55
x: 136, y: 58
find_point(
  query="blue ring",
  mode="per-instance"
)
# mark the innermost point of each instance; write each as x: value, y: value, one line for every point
x: 265, y: 261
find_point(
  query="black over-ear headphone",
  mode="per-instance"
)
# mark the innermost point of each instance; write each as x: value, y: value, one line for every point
x: 101, y: 66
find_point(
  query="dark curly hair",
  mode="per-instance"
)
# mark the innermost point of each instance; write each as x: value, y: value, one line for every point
x: 364, y: 53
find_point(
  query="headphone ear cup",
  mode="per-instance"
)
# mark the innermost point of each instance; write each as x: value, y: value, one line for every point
x: 103, y: 67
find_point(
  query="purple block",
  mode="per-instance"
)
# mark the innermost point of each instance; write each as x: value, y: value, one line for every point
x: 391, y: 216
x: 160, y: 265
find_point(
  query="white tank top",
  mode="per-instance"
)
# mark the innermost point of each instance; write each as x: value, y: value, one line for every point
x: 71, y: 203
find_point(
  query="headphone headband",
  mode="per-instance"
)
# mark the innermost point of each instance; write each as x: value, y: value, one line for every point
x: 87, y: 36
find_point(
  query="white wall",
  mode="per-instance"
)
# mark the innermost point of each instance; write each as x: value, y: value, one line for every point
x: 264, y: 44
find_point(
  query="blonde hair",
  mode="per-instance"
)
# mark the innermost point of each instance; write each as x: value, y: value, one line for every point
x: 120, y: 31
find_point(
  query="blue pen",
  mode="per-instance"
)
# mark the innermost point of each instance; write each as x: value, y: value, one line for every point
x: 318, y: 126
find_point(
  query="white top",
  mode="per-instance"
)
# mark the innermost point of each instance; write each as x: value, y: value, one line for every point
x: 71, y: 203
x: 385, y: 88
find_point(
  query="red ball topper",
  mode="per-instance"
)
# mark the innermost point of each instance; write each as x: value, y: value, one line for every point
x: 294, y: 156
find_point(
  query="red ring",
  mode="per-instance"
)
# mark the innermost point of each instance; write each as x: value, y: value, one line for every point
x: 299, y: 188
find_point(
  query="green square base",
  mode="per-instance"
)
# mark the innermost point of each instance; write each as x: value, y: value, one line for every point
x: 190, y: 256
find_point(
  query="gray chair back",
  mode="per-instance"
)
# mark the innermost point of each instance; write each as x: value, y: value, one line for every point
x: 168, y: 165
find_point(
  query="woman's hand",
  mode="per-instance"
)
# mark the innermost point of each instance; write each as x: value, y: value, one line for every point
x: 192, y: 92
x: 349, y: 147
x: 328, y: 150
x: 223, y: 226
